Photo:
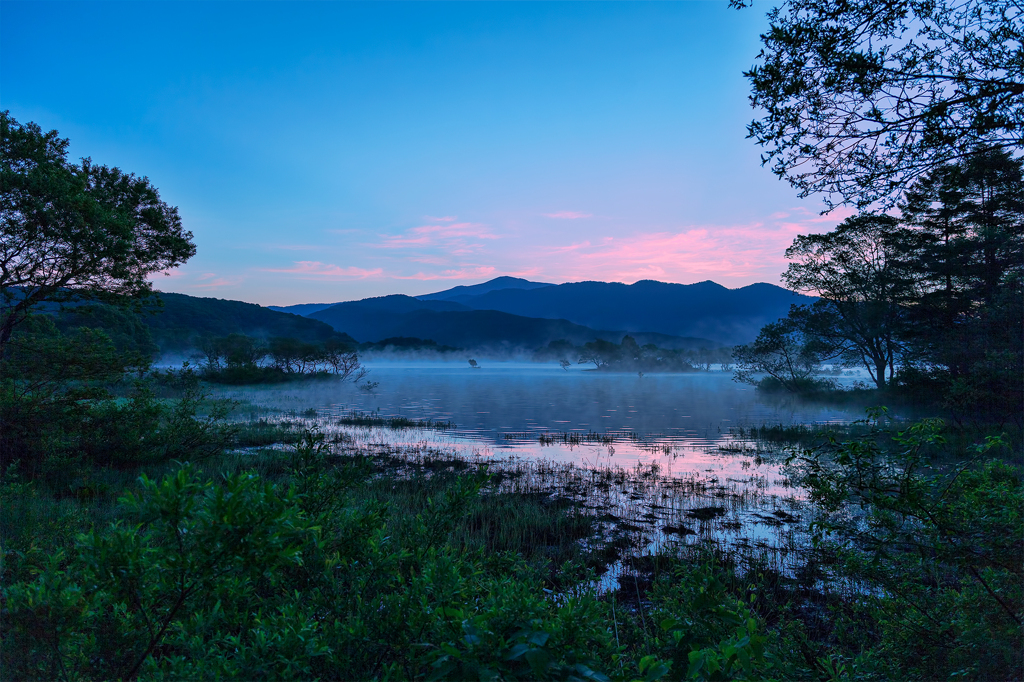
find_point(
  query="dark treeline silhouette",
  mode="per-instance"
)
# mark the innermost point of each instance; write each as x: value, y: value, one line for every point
x: 629, y: 356
x: 928, y: 303
x: 408, y: 344
x: 237, y: 358
x: 181, y: 320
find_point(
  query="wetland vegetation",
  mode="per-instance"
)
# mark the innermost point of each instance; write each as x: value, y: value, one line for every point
x: 192, y: 524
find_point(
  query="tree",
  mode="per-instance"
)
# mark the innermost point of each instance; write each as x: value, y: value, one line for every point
x: 968, y: 325
x: 781, y: 352
x: 970, y: 216
x: 860, y: 273
x: 343, y: 360
x: 630, y: 349
x: 600, y: 352
x: 73, y: 232
x: 861, y: 98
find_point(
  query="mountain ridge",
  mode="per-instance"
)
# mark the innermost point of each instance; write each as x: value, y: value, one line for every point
x: 704, y: 309
x: 479, y: 329
x: 498, y: 283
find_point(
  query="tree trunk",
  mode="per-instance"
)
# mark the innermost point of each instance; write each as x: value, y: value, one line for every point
x: 881, y: 364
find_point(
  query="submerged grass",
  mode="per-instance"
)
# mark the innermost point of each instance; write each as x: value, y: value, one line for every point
x: 375, y: 420
x: 422, y: 563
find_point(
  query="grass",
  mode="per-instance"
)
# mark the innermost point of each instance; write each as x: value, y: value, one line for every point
x: 374, y: 420
x: 623, y: 536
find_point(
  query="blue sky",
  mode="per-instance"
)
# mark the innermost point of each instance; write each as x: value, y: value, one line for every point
x: 332, y: 151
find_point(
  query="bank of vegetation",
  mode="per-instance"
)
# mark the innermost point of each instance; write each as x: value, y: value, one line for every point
x: 409, y: 345
x: 929, y: 303
x: 139, y: 543
x: 241, y: 359
x: 629, y: 356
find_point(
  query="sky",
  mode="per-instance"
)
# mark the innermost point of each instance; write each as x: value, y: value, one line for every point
x: 324, y: 152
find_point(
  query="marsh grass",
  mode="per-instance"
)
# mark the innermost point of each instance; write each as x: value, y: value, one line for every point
x: 605, y: 518
x: 627, y: 510
x: 370, y: 419
x: 641, y: 547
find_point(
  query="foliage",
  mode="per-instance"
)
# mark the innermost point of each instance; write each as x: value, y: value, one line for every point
x: 706, y: 632
x: 861, y: 100
x: 938, y: 548
x: 969, y: 223
x: 73, y: 232
x: 58, y: 406
x: 863, y: 283
x: 603, y: 354
x: 131, y: 588
x: 629, y: 356
x: 781, y: 352
x: 241, y: 359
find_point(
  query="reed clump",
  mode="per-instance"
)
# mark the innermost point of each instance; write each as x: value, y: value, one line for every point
x: 325, y: 559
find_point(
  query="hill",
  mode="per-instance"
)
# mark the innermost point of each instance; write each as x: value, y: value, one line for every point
x: 705, y: 309
x: 301, y: 308
x: 496, y: 284
x: 449, y: 323
x: 184, y: 318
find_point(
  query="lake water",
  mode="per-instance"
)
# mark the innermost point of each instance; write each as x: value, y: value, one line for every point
x: 683, y: 423
x: 674, y: 432
x: 506, y: 406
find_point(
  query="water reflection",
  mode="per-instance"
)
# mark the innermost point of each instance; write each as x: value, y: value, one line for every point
x: 525, y: 400
x: 662, y: 441
x: 681, y: 422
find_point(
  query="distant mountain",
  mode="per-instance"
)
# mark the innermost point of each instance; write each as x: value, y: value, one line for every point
x: 183, y: 319
x: 400, y: 303
x: 705, y: 309
x: 451, y: 324
x: 301, y: 308
x: 496, y: 284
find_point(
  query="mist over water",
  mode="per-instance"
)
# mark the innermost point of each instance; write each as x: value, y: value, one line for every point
x: 507, y: 406
x: 669, y: 436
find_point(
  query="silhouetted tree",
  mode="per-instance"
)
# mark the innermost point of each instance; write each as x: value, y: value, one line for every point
x: 967, y: 327
x: 860, y: 272
x: 781, y: 352
x: 862, y: 98
x: 600, y: 352
x: 75, y: 232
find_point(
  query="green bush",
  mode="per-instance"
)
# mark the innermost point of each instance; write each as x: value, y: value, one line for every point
x: 937, y: 547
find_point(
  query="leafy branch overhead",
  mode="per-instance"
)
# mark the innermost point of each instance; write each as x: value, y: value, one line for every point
x: 75, y: 231
x: 859, y: 99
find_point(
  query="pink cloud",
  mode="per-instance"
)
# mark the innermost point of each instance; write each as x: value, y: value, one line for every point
x: 451, y: 237
x: 317, y: 270
x: 733, y: 255
x: 430, y: 260
x: 481, y: 272
x: 220, y: 282
x: 568, y: 215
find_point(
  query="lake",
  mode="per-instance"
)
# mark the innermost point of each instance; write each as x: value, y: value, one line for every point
x: 683, y: 475
x: 507, y: 406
